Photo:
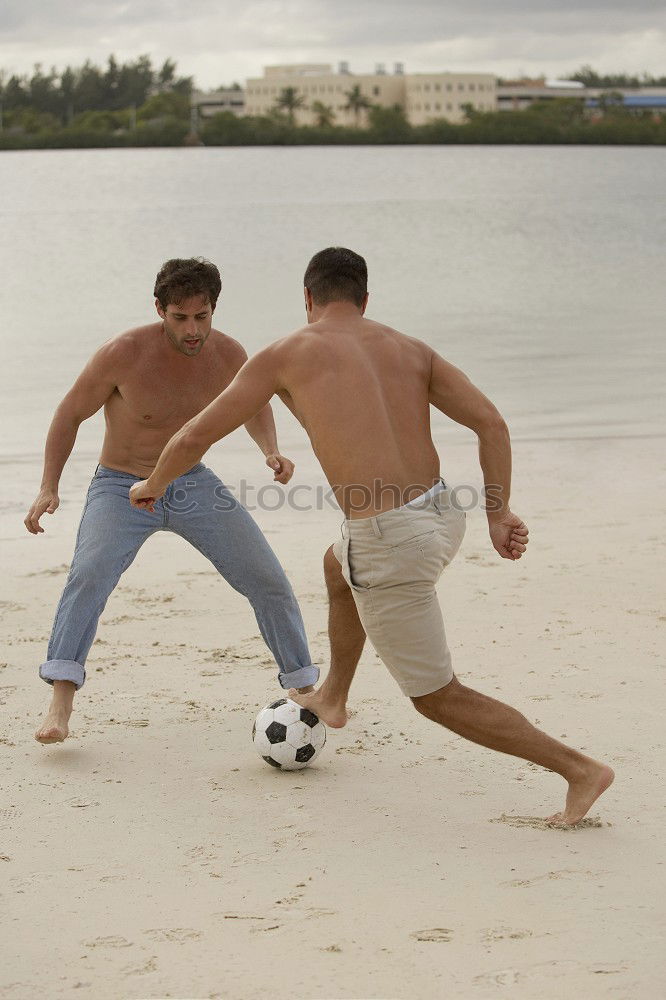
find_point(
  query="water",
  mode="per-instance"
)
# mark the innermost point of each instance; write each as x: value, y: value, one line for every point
x: 537, y: 270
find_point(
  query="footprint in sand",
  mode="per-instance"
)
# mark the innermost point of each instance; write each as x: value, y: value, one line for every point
x: 11, y: 606
x: 51, y: 571
x: 177, y: 934
x: 150, y: 965
x: 552, y: 876
x: 433, y: 934
x: 505, y: 977
x: 493, y: 934
x: 110, y: 941
x: 135, y: 723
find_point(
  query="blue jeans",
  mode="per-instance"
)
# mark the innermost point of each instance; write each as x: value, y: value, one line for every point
x: 199, y: 508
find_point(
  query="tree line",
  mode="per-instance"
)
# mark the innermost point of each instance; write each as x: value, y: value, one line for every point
x: 135, y: 104
x: 81, y: 104
x: 591, y: 78
x: 561, y: 121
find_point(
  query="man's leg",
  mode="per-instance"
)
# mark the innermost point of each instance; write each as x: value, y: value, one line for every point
x: 347, y: 638
x: 110, y: 534
x: 203, y: 511
x: 500, y: 727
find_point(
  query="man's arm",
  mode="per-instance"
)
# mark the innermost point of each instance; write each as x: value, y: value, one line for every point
x: 455, y: 395
x: 261, y: 429
x: 88, y: 394
x: 250, y: 391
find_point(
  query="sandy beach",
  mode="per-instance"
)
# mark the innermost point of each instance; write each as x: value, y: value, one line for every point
x: 155, y: 855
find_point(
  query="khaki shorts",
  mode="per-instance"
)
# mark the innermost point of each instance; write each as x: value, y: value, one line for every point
x: 392, y: 563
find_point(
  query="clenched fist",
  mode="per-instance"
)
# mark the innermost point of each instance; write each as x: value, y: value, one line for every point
x: 509, y: 535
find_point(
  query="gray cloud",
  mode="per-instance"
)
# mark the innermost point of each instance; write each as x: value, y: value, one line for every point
x: 217, y: 39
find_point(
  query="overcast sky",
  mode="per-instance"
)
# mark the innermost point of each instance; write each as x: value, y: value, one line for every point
x: 218, y: 41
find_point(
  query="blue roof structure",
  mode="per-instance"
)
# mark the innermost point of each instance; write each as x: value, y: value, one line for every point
x: 646, y: 101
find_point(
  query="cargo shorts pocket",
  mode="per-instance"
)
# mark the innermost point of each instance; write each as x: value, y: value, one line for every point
x: 453, y: 527
x: 358, y: 579
x: 422, y: 542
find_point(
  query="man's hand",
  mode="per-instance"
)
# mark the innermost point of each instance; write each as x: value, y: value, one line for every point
x: 281, y: 466
x: 47, y: 502
x: 509, y: 535
x: 144, y: 496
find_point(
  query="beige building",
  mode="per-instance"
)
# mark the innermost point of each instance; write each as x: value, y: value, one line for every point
x: 444, y: 95
x: 319, y: 83
x: 424, y: 96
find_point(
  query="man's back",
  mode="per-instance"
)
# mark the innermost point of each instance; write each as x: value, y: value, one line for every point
x: 361, y: 390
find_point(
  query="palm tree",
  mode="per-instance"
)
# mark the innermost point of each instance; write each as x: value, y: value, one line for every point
x: 290, y: 100
x: 324, y: 114
x: 356, y: 102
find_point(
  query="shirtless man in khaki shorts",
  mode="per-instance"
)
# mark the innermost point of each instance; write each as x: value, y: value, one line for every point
x: 363, y: 391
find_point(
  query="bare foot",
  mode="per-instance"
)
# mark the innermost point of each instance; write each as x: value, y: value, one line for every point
x: 54, y: 728
x: 333, y: 713
x: 583, y: 793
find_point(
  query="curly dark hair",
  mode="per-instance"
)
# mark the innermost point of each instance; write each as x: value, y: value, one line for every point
x: 183, y: 278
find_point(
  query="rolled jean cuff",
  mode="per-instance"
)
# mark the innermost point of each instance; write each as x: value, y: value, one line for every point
x: 303, y: 677
x: 63, y: 670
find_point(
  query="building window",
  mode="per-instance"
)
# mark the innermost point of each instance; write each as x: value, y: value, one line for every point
x: 472, y: 86
x: 438, y: 86
x: 375, y: 91
x: 449, y: 107
x: 461, y: 86
x: 438, y: 107
x: 449, y: 86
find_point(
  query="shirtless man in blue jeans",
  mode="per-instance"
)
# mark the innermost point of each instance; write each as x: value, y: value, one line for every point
x: 151, y: 381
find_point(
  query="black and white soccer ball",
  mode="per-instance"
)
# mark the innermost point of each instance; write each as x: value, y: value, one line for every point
x: 287, y: 736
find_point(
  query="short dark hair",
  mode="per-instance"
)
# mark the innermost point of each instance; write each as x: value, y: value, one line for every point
x: 337, y: 275
x: 183, y: 278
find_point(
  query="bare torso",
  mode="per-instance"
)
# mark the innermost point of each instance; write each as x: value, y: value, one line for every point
x: 361, y: 391
x: 157, y: 391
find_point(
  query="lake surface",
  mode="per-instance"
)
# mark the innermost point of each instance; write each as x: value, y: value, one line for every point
x: 538, y: 270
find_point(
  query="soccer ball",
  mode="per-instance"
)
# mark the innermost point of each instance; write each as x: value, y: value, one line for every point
x: 287, y: 736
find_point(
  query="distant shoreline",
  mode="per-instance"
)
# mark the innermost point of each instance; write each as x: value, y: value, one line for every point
x: 555, y: 125
x: 64, y: 147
